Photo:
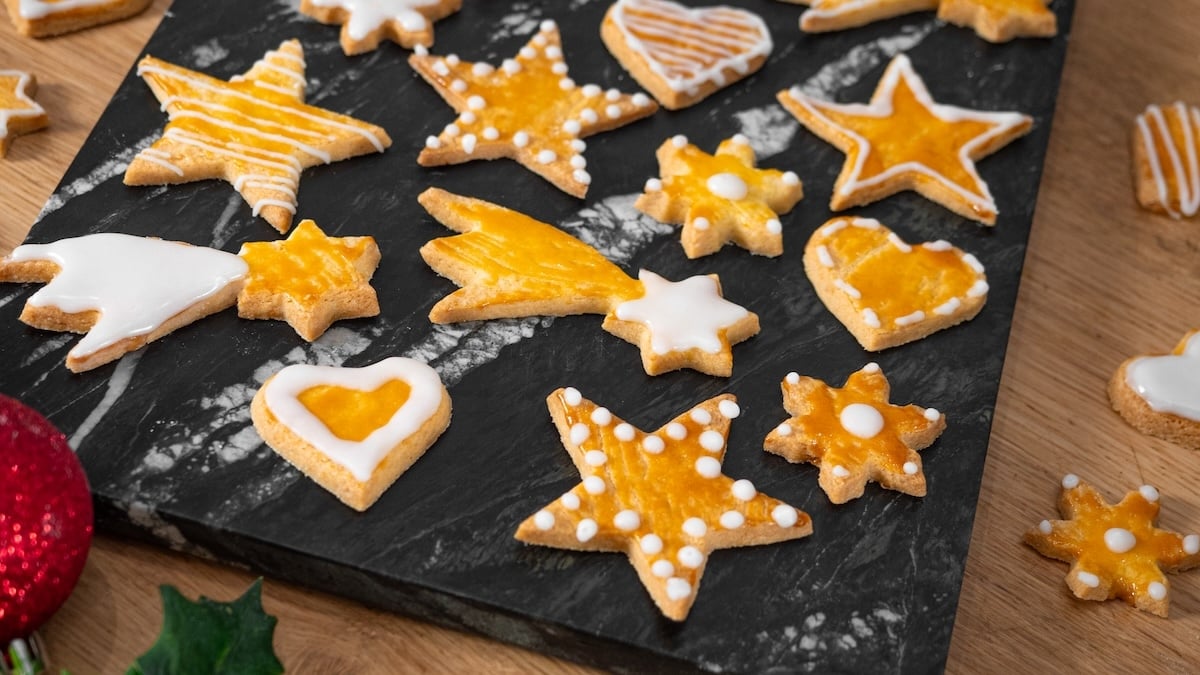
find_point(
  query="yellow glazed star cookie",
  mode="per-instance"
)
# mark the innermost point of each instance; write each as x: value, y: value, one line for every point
x: 254, y: 132
x: 19, y: 113
x: 683, y: 55
x: 993, y: 20
x: 365, y: 23
x: 1115, y: 551
x: 1160, y: 395
x: 122, y: 291
x: 888, y: 292
x: 903, y: 140
x: 854, y: 435
x: 527, y: 110
x: 660, y: 498
x: 1166, y: 171
x: 510, y: 265
x: 352, y: 430
x: 310, y: 280
x: 44, y: 18
x: 720, y: 198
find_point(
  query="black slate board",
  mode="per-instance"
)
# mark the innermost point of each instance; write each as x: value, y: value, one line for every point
x: 165, y: 433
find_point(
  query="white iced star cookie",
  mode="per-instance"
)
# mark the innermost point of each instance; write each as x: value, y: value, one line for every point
x: 365, y: 23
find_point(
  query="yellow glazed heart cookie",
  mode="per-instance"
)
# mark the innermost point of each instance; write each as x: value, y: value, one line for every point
x: 888, y: 292
x: 352, y: 430
x: 1160, y: 395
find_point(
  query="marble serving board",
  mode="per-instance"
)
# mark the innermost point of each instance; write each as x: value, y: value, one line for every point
x: 167, y: 442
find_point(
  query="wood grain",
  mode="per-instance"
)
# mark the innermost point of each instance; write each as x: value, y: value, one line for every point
x: 1103, y: 281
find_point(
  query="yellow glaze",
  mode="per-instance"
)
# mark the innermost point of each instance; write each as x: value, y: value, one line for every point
x: 9, y: 100
x: 307, y: 266
x: 686, y: 172
x: 1002, y: 8
x: 1174, y: 143
x: 353, y: 415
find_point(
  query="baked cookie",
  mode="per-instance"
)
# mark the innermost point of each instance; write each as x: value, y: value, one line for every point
x: 660, y: 498
x: 1160, y: 395
x: 683, y: 55
x: 903, y: 140
x: 830, y: 15
x: 720, y: 198
x: 253, y: 131
x: 510, y: 265
x: 527, y: 110
x: 1115, y: 551
x: 310, y: 280
x: 43, y: 18
x: 1166, y: 171
x: 993, y: 20
x: 888, y: 292
x: 365, y: 23
x: 352, y: 430
x: 854, y: 435
x: 19, y: 113
x: 122, y: 291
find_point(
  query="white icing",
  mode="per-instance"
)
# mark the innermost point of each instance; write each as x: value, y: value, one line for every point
x: 1088, y: 579
x: 732, y: 520
x: 1171, y: 383
x: 1191, y: 544
x: 700, y: 416
x: 840, y: 471
x: 543, y: 520
x: 602, y: 417
x: 678, y: 589
x: 595, y: 458
x: 662, y: 569
x: 690, y: 557
x: 572, y: 396
x: 792, y: 378
x: 1045, y: 527
x: 586, y: 529
x: 135, y: 284
x: 712, y: 441
x: 653, y: 445
x: 624, y: 432
x: 627, y: 520
x: 594, y: 485
x: 695, y: 527
x: 727, y: 186
x: 677, y: 431
x: 911, y: 468
x: 784, y: 429
x: 729, y: 409
x: 1070, y: 481
x: 743, y: 490
x: 570, y: 501
x: 708, y: 467
x: 1119, y: 540
x: 861, y: 420
x: 1149, y: 493
x: 579, y: 433
x: 1156, y: 590
x: 689, y: 314
x: 871, y: 368
x: 281, y: 395
x: 784, y: 515
x: 652, y: 544
x: 701, y: 223
x: 871, y: 318
x: 368, y: 16
x: 1153, y: 128
x: 38, y: 9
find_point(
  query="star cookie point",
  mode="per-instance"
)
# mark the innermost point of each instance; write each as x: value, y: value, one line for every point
x: 19, y: 113
x: 1001, y: 20
x: 366, y: 23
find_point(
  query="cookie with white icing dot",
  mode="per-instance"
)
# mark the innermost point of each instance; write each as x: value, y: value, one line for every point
x: 366, y: 23
x: 44, y: 18
x: 1160, y: 395
x: 1115, y: 551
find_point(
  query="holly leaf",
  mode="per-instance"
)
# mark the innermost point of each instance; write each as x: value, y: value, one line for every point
x: 209, y: 637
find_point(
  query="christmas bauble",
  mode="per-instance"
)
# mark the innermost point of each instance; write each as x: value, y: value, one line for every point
x: 45, y: 520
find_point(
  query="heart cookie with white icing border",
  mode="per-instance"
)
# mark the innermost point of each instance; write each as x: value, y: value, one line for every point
x: 888, y: 292
x: 352, y: 430
x: 1160, y: 395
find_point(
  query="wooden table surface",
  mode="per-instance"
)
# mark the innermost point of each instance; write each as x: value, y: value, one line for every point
x: 1103, y: 281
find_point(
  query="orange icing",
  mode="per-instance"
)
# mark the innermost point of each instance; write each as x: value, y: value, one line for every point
x: 353, y: 415
x: 307, y: 266
x: 9, y: 100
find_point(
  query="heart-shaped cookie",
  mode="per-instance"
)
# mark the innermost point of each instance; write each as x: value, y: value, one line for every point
x: 1160, y: 395
x: 888, y: 292
x: 353, y: 430
x: 682, y: 55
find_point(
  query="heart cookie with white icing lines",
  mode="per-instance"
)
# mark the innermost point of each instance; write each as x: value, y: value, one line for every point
x: 352, y: 430
x: 1160, y: 395
x: 888, y: 292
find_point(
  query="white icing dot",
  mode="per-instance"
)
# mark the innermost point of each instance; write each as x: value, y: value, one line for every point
x: 861, y: 420
x: 554, y: 52
x: 909, y: 319
x: 520, y: 139
x: 433, y: 142
x: 701, y: 416
x: 932, y: 414
x: 546, y: 156
x: 586, y: 529
x: 774, y: 226
x: 468, y: 143
x: 743, y: 490
x: 476, y: 103
x: 1119, y: 540
x: 840, y: 471
x: 1156, y: 590
x: 458, y: 86
x: 613, y: 111
x: 700, y: 223
x: 582, y: 176
x: 695, y: 527
x: 595, y: 458
x: 653, y: 185
x: 566, y: 84
x: 848, y: 289
x: 579, y: 433
x: 899, y: 243
x: 602, y: 417
x: 578, y: 162
x: 468, y: 117
x: 612, y: 95
x: 911, y: 468
x: 939, y: 245
x: 641, y: 100
x: 1088, y: 579
x: 793, y: 378
x: 578, y: 145
x: 676, y: 431
x: 588, y: 115
x: 452, y: 59
x: 653, y: 444
x: 511, y: 66
x: 1070, y: 481
x: 539, y: 40
x: 627, y: 520
x: 678, y: 589
x: 784, y: 429
x: 652, y: 544
x: 729, y: 409
x: 662, y: 568
x: 482, y: 69
x: 559, y: 68
x: 732, y: 520
x: 491, y: 133
x: 784, y: 515
x: 452, y: 130
x: 420, y: 50
x: 548, y: 25
x: 679, y: 140
x: 690, y: 557
x: 973, y: 263
x: 624, y: 431
x: 871, y: 318
x: 740, y: 139
x: 591, y: 90
x: 570, y: 501
x: 440, y: 68
x: 1045, y: 527
x: 1149, y: 493
x: 948, y: 307
x: 871, y: 368
x: 790, y: 178
x: 979, y: 288
x: 712, y: 441
x: 572, y: 396
x: 708, y: 467
x: 528, y: 52
x: 727, y: 186
x: 1191, y: 544
x: 594, y: 485
x: 543, y: 520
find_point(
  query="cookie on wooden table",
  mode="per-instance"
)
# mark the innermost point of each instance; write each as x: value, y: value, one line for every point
x: 1160, y: 395
x: 19, y: 113
x: 44, y: 18
x: 1166, y: 159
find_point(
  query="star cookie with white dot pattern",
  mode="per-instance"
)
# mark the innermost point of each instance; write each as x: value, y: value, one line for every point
x: 528, y: 110
x: 1115, y: 551
x: 661, y: 498
x: 720, y: 198
x: 854, y: 435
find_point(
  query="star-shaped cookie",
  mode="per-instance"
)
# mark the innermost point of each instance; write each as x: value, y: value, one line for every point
x: 903, y: 140
x: 1115, y: 551
x: 309, y: 280
x: 854, y: 434
x: 993, y: 20
x: 19, y: 113
x: 527, y: 110
x: 720, y: 198
x: 365, y: 23
x: 661, y: 498
x: 253, y: 131
x: 510, y: 265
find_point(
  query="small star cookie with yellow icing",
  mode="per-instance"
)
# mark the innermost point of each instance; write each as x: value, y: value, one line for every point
x: 528, y: 110
x: 509, y: 265
x: 365, y: 23
x: 854, y: 434
x: 720, y: 198
x: 660, y: 498
x: 904, y: 140
x: 1159, y: 395
x: 1115, y: 551
x: 309, y: 280
x: 993, y: 20
x: 19, y: 113
x: 888, y: 292
x: 45, y: 18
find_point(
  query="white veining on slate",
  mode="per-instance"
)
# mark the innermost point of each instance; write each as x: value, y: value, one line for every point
x: 48, y: 347
x: 117, y: 384
x: 108, y: 169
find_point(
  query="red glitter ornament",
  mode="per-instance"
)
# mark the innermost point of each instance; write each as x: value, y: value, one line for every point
x: 45, y: 520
